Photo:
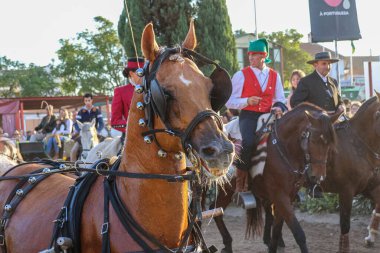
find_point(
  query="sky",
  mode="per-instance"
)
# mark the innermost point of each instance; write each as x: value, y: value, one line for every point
x: 30, y: 30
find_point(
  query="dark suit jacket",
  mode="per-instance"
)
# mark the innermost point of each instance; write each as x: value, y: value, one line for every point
x: 312, y: 89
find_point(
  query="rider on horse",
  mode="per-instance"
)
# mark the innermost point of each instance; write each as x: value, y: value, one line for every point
x: 122, y: 98
x: 320, y: 89
x: 257, y: 90
x: 86, y: 114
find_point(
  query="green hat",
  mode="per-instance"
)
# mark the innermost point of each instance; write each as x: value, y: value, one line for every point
x: 259, y: 46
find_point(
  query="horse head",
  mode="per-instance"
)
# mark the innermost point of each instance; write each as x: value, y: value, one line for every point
x: 89, y: 137
x: 181, y: 101
x: 313, y: 130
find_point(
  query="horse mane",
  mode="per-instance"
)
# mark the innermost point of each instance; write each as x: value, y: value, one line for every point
x: 326, y: 126
x: 364, y: 107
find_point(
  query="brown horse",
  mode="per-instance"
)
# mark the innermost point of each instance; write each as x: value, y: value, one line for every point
x: 159, y: 207
x: 298, y: 144
x: 354, y: 168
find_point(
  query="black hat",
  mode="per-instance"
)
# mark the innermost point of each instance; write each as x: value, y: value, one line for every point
x: 323, y: 56
x: 133, y: 64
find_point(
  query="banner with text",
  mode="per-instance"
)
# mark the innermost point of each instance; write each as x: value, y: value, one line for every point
x: 333, y: 20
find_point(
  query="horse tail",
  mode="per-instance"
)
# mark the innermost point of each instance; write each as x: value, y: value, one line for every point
x: 254, y: 220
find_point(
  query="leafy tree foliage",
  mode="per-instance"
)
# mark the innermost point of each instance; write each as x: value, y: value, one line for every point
x: 170, y: 20
x: 17, y: 79
x: 214, y: 30
x: 293, y: 56
x: 91, y: 62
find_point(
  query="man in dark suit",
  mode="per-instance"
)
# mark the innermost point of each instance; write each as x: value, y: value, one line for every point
x: 319, y: 88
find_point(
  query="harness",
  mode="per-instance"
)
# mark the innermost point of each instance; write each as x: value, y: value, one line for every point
x: 66, y: 231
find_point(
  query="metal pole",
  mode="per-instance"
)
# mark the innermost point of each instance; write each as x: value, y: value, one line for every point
x: 337, y: 67
x: 256, y: 35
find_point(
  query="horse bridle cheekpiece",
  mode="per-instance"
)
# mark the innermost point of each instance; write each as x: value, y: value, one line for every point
x: 156, y: 99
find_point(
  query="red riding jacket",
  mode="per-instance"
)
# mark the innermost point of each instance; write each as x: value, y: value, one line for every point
x: 120, y: 106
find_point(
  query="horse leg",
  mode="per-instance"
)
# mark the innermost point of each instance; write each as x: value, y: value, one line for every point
x: 268, y: 225
x: 373, y: 228
x: 223, y: 200
x: 345, y: 203
x: 268, y: 228
x: 284, y: 210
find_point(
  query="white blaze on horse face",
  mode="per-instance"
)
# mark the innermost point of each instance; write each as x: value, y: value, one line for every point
x: 184, y: 80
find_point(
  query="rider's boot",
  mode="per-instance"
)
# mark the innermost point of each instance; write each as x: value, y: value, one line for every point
x: 242, y: 197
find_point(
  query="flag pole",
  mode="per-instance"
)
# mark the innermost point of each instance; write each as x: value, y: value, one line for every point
x: 256, y: 35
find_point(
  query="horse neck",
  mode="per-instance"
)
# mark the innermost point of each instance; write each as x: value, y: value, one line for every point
x: 158, y: 206
x: 362, y: 125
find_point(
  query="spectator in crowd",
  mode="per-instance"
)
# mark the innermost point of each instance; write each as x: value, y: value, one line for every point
x: 295, y: 77
x: 46, y: 125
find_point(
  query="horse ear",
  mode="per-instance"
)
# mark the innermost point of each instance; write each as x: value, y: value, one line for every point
x: 377, y: 94
x: 80, y: 124
x: 313, y: 120
x: 190, y: 41
x: 149, y: 46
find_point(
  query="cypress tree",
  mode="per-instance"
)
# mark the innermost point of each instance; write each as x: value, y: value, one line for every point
x: 170, y: 20
x: 215, y: 36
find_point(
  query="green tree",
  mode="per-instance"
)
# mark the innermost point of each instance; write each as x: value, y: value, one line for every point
x: 17, y: 79
x: 214, y: 30
x: 91, y: 62
x: 293, y: 56
x: 170, y: 20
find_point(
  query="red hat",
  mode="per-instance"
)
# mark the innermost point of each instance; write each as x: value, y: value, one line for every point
x: 133, y: 64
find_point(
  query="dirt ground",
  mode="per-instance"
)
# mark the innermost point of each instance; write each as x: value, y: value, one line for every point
x: 322, y: 233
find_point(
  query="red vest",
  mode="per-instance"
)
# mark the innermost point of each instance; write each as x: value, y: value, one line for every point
x: 252, y: 88
x: 121, y: 103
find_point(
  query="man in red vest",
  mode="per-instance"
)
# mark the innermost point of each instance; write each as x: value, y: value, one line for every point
x: 122, y: 98
x: 257, y: 89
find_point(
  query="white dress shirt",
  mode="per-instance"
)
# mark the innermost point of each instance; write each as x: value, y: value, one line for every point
x: 237, y: 102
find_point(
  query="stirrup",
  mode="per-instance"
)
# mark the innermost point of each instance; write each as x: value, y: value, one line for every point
x: 244, y: 199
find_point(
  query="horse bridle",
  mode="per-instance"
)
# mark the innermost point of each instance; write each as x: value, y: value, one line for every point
x: 305, y: 140
x: 155, y: 99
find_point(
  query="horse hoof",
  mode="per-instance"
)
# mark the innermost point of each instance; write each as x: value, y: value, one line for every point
x: 226, y: 250
x: 369, y: 244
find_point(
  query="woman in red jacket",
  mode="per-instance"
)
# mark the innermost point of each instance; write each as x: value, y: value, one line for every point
x: 122, y: 98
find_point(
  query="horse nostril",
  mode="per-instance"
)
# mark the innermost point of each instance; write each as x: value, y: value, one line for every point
x: 208, y: 151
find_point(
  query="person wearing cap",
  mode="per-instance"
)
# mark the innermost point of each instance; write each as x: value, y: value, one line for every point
x: 322, y: 90
x: 319, y: 88
x: 256, y: 90
x: 122, y: 98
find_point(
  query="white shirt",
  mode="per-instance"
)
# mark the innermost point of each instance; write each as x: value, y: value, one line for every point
x: 237, y: 102
x: 232, y: 128
x: 324, y: 78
